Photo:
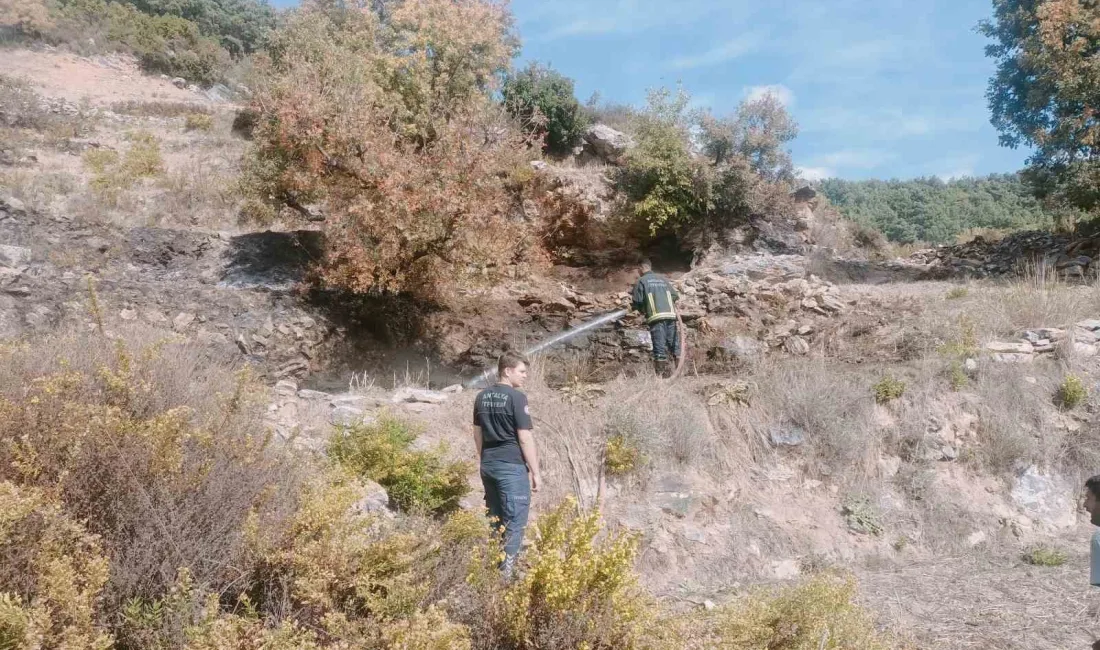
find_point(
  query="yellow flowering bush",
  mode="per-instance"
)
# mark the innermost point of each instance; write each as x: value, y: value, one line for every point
x: 819, y: 614
x: 51, y: 575
x: 579, y: 589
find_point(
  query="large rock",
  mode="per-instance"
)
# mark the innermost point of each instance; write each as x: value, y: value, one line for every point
x: 739, y: 348
x: 14, y: 256
x: 607, y: 143
x: 419, y: 395
x: 1045, y: 497
x: 375, y: 501
x: 1008, y: 347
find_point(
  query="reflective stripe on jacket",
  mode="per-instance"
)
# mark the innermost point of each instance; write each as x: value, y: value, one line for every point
x: 655, y: 297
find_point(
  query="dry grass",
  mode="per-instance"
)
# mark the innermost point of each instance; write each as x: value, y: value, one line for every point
x: 200, y: 193
x: 832, y: 408
x: 153, y: 442
x: 966, y: 603
x: 159, y: 109
x: 40, y: 189
x: 1038, y: 299
x: 1014, y: 419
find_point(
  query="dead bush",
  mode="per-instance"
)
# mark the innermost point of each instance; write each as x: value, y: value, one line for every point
x: 830, y: 408
x: 1013, y: 425
x: 159, y: 448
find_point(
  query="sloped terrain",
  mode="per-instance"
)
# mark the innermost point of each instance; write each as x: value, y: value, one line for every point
x: 896, y: 418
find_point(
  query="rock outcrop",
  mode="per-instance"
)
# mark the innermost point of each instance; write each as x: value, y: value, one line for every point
x: 603, y: 143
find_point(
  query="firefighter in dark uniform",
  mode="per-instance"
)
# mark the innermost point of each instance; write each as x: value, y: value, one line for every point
x: 655, y: 297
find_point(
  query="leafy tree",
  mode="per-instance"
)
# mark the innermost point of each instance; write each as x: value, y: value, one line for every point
x: 543, y: 100
x: 664, y: 183
x: 757, y: 132
x: 1046, y: 92
x: 384, y: 116
x: 239, y: 25
x: 929, y: 209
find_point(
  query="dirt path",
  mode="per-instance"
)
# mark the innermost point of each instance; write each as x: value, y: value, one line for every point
x: 100, y: 80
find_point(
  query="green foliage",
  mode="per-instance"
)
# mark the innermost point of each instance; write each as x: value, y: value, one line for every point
x: 621, y: 456
x: 757, y: 133
x: 1044, y: 556
x: 579, y: 590
x: 931, y: 210
x: 674, y: 191
x: 1045, y: 88
x: 417, y: 481
x: 198, y: 122
x: 862, y: 517
x: 1071, y: 393
x: 659, y: 175
x: 114, y: 174
x: 167, y: 44
x: 888, y: 389
x: 965, y: 344
x: 241, y: 26
x: 956, y: 376
x: 820, y: 613
x: 956, y: 293
x: 542, y: 99
x: 51, y: 577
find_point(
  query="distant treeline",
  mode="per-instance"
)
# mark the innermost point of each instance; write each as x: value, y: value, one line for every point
x: 933, y: 210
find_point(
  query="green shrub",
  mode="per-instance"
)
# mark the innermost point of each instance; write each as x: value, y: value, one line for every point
x: 417, y: 481
x: 621, y: 456
x: 1071, y: 393
x: 956, y: 376
x: 862, y: 517
x: 198, y: 122
x: 964, y: 344
x: 888, y: 389
x: 579, y: 590
x: 166, y: 44
x: 113, y: 174
x: 659, y: 175
x: 155, y: 447
x: 1043, y: 556
x: 956, y: 293
x: 818, y: 613
x: 542, y: 99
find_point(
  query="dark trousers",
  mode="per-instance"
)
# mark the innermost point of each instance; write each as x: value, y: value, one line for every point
x: 508, y: 498
x: 666, y: 339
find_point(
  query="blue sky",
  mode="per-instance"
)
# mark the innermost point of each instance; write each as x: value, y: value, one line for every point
x: 880, y: 88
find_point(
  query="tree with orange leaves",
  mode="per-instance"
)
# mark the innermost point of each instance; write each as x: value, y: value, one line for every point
x: 381, y: 113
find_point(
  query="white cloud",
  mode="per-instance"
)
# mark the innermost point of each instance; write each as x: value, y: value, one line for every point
x: 784, y: 94
x: 718, y: 54
x: 855, y: 158
x: 814, y: 173
x: 955, y: 167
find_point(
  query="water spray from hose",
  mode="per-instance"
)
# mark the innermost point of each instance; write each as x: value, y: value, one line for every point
x: 554, y: 340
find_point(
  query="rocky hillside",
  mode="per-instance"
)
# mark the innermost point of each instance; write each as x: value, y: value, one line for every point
x: 922, y: 422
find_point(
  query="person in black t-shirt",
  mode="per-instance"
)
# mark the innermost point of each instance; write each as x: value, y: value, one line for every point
x: 506, y: 449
